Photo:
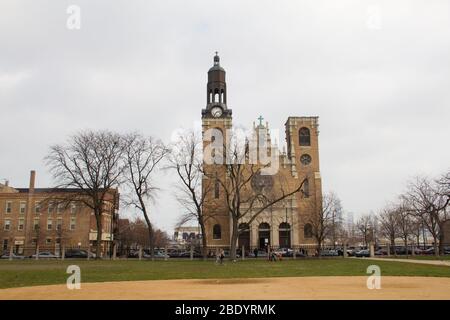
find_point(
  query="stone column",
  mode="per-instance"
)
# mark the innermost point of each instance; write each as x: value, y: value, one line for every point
x: 275, y: 236
x: 140, y: 252
x: 372, y: 250
x: 254, y: 235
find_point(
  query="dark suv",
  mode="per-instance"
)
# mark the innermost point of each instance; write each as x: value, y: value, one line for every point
x: 76, y: 253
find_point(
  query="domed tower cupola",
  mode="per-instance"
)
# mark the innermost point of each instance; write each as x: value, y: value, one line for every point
x: 216, y: 92
x: 217, y: 87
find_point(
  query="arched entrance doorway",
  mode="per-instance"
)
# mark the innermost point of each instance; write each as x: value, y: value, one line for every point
x: 264, y: 235
x: 284, y: 233
x: 244, y: 236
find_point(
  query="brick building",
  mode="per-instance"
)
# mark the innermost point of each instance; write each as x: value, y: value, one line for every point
x: 285, y: 224
x: 41, y: 216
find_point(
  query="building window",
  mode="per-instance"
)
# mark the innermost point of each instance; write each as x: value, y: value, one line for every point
x: 48, y: 241
x: 217, y: 232
x: 5, y: 244
x: 306, y: 188
x: 304, y: 137
x: 7, y: 225
x: 34, y: 241
x: 23, y: 207
x: 58, y: 240
x: 51, y: 208
x: 307, y: 231
x: 21, y: 224
x: 36, y: 224
x: 49, y: 224
x: 216, y: 189
x: 72, y: 223
x: 73, y: 208
x: 8, y: 208
x: 37, y: 207
x: 59, y: 224
x: 59, y: 208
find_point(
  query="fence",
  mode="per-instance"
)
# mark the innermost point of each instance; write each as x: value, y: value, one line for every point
x: 195, y: 251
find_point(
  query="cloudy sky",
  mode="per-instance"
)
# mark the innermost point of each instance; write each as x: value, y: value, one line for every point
x: 377, y: 73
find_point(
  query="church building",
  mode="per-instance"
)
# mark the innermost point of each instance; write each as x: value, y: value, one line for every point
x: 286, y: 224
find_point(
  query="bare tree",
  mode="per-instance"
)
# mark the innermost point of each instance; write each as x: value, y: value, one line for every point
x: 428, y: 200
x: 90, y: 162
x: 142, y: 155
x: 186, y: 159
x: 405, y: 222
x: 389, y: 226
x: 323, y: 219
x: 365, y: 227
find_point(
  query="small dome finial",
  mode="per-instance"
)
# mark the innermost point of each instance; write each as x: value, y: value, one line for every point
x: 216, y: 59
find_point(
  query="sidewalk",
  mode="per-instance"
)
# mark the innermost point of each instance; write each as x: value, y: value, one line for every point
x: 432, y: 262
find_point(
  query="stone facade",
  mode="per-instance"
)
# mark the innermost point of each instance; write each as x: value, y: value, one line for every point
x: 37, y: 216
x: 286, y: 223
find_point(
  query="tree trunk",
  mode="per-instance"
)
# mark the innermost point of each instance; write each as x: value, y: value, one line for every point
x: 319, y: 248
x: 393, y: 247
x: 234, y: 238
x: 150, y: 230
x: 204, y: 244
x: 98, y: 218
x: 405, y: 241
x: 436, y: 246
x: 441, y: 242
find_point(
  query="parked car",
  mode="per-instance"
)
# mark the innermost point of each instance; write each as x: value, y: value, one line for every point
x: 381, y: 252
x: 45, y: 255
x: 78, y: 254
x: 13, y: 256
x: 285, y: 252
x: 156, y: 255
x: 329, y: 253
x: 362, y: 253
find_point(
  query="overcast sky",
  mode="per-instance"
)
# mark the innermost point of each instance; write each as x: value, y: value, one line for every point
x: 377, y: 73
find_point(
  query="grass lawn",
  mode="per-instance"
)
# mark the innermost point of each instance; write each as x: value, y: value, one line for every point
x: 31, y: 273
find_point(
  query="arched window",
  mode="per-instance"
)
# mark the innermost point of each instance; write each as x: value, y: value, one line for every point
x: 210, y: 96
x: 306, y: 188
x: 192, y: 235
x: 217, y: 232
x: 216, y: 189
x: 304, y: 137
x: 307, y: 231
x: 185, y: 235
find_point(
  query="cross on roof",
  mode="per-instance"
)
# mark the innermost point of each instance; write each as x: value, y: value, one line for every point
x: 260, y: 120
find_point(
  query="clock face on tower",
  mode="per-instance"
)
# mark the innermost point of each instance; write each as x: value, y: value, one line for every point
x: 216, y: 112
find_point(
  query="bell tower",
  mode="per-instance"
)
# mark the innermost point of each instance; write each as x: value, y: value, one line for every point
x: 216, y: 121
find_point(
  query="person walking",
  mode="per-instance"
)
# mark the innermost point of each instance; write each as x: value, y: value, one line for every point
x: 255, y: 252
x: 221, y: 256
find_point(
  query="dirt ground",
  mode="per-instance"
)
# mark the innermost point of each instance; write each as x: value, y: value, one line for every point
x: 260, y: 289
